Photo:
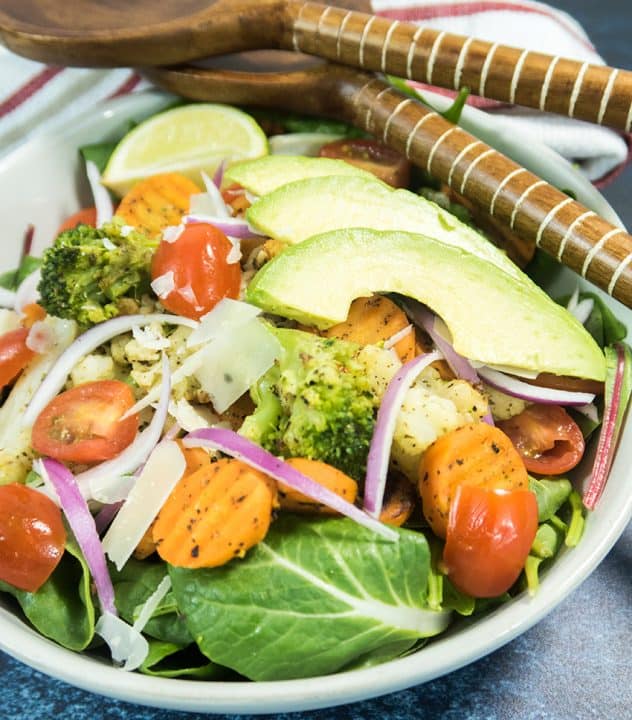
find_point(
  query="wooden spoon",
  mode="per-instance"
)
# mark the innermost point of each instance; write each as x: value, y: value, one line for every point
x: 146, y: 32
x: 529, y: 206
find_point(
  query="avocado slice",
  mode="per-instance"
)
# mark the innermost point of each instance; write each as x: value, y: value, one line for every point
x: 265, y: 174
x: 298, y: 210
x: 493, y: 318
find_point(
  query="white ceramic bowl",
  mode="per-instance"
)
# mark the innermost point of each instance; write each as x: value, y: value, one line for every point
x: 40, y: 183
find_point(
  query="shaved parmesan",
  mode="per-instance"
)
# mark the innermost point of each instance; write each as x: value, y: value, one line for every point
x: 160, y: 475
x: 191, y: 418
x: 127, y: 645
x: 172, y: 233
x: 234, y: 254
x: 227, y: 316
x: 234, y: 361
x: 150, y: 338
x: 163, y: 285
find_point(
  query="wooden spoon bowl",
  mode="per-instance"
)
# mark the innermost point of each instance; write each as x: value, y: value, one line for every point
x: 113, y: 33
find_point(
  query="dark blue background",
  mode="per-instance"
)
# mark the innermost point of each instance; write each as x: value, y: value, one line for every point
x: 576, y: 664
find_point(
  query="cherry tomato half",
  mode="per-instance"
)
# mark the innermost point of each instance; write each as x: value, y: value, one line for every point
x: 84, y: 424
x: 490, y: 533
x: 32, y: 537
x: 14, y: 354
x: 547, y: 438
x: 369, y: 155
x: 202, y: 275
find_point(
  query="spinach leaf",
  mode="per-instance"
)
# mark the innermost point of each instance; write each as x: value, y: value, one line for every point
x: 11, y: 279
x: 62, y: 609
x: 132, y: 587
x: 98, y: 153
x: 312, y: 598
x: 550, y: 494
x: 168, y: 660
x: 602, y: 323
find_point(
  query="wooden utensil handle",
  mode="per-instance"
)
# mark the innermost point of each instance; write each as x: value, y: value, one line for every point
x: 595, y: 93
x: 565, y: 229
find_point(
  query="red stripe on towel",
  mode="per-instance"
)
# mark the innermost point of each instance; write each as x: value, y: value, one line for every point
x: 21, y: 95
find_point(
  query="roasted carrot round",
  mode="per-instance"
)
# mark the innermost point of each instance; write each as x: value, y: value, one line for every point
x: 476, y: 454
x: 157, y: 202
x: 214, y: 515
x: 374, y: 320
x: 325, y: 475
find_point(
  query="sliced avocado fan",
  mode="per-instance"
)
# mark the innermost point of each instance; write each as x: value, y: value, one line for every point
x: 298, y: 210
x: 263, y: 175
x: 494, y: 318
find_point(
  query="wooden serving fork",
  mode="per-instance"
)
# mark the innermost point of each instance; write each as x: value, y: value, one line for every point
x: 533, y: 209
x: 146, y: 32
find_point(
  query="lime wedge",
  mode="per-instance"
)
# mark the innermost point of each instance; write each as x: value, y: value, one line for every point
x: 188, y: 140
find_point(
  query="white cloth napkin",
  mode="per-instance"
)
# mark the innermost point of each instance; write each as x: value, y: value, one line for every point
x: 598, y: 151
x: 36, y: 98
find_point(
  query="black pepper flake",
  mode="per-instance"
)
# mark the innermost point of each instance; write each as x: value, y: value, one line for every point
x: 195, y: 551
x: 495, y: 448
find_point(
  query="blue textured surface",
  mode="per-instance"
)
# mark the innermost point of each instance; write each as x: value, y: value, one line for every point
x: 576, y: 663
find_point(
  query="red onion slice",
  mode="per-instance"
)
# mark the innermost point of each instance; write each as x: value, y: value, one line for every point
x: 218, y: 176
x: 85, y: 344
x: 135, y: 454
x: 233, y: 227
x: 532, y: 393
x: 459, y: 365
x: 127, y: 646
x: 380, y: 449
x: 233, y: 444
x: 82, y: 524
x: 102, y: 199
x: 608, y: 436
x: 210, y: 200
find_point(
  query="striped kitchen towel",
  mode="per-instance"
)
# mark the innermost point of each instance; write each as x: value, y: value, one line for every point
x: 34, y: 97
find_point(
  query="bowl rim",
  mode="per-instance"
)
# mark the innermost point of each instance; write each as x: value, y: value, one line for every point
x: 442, y: 655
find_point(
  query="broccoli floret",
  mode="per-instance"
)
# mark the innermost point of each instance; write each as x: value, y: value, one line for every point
x: 315, y: 402
x: 90, y: 275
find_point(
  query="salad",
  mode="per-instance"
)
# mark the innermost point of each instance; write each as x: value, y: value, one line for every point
x: 279, y: 419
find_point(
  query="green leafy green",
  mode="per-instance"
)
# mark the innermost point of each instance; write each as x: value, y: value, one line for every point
x: 547, y: 541
x: 314, y: 597
x: 452, y: 114
x: 551, y: 494
x: 169, y: 660
x: 62, y: 609
x: 277, y: 121
x: 98, y: 153
x: 133, y: 585
x: 11, y: 279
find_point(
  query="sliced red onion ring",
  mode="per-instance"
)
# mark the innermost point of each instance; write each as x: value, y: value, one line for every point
x: 233, y: 444
x: 396, y: 337
x: 135, y: 454
x: 82, y: 524
x: 218, y: 175
x: 532, y: 393
x: 28, y: 293
x: 85, y: 344
x: 380, y: 449
x: 608, y: 436
x: 213, y: 200
x: 105, y: 516
x: 7, y: 298
x: 102, y: 199
x: 459, y: 365
x: 234, y: 227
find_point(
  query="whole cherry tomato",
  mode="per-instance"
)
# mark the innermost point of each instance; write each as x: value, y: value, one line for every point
x: 196, y: 265
x: 32, y: 537
x: 490, y: 533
